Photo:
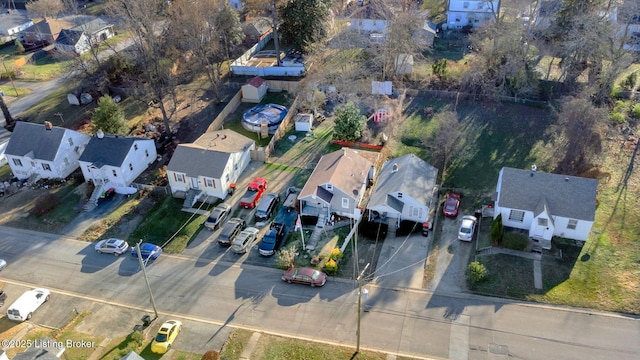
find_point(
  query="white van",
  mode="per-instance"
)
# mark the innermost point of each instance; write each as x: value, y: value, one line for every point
x: 26, y: 304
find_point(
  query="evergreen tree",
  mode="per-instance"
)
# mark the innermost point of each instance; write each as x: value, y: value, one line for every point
x: 108, y: 117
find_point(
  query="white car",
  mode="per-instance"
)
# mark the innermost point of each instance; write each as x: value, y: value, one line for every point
x: 111, y: 246
x: 3, y: 264
x: 244, y: 240
x: 26, y: 304
x: 467, y: 228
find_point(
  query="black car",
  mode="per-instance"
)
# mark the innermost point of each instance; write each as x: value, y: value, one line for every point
x: 230, y: 230
x: 217, y: 216
x: 267, y: 206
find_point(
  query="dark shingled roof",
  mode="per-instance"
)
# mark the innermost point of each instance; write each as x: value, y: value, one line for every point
x: 29, y: 137
x: 566, y: 196
x: 69, y: 37
x: 110, y: 150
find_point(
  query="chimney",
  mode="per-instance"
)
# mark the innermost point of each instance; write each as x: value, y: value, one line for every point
x: 48, y: 125
x: 100, y: 134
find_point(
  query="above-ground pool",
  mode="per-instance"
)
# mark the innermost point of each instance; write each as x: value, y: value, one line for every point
x: 269, y: 114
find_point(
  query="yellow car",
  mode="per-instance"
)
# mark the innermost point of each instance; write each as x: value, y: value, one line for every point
x: 166, y: 336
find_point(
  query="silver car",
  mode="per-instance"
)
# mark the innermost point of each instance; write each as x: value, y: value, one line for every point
x: 3, y: 264
x: 111, y: 246
x: 467, y: 228
x: 244, y: 240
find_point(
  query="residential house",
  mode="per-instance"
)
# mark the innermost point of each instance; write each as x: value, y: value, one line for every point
x: 336, y: 185
x: 373, y: 17
x: 405, y: 190
x: 14, y: 21
x: 546, y: 205
x: 45, y: 31
x: 207, y: 167
x: 115, y: 161
x: 80, y: 39
x: 44, y: 151
x: 471, y: 12
x: 257, y: 29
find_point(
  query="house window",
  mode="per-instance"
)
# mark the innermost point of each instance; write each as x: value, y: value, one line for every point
x: 516, y: 215
x: 480, y: 6
x: 146, y: 153
x: 235, y: 166
x: 178, y: 177
x: 345, y: 203
x: 572, y: 224
x: 46, y: 167
x: 135, y: 147
x: 416, y: 212
x: 130, y: 167
x: 542, y: 222
x: 66, y: 161
x: 71, y: 141
x: 115, y: 174
x: 208, y: 182
x: 17, y: 162
x: 465, y: 4
x: 227, y: 177
x: 399, y: 195
x: 330, y: 187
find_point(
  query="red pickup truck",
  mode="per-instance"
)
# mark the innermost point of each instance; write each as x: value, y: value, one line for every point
x: 254, y: 193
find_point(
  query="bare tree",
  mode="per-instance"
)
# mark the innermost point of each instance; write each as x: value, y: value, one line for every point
x: 45, y: 8
x: 446, y: 140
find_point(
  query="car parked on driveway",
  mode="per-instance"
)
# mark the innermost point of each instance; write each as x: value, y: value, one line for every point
x: 230, y: 230
x: 244, y: 240
x: 306, y: 276
x: 267, y: 206
x: 217, y: 216
x: 113, y: 246
x: 451, y: 205
x: 147, y: 251
x: 467, y: 228
x: 165, y: 337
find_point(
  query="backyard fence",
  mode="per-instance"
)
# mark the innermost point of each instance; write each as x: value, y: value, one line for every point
x: 156, y: 190
x: 475, y: 97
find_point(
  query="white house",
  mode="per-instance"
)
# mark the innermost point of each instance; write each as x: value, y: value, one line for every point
x: 374, y: 17
x: 471, y: 12
x: 81, y: 38
x: 336, y: 185
x: 545, y: 204
x: 44, y: 151
x: 404, y: 190
x: 115, y: 161
x: 14, y: 21
x: 207, y: 167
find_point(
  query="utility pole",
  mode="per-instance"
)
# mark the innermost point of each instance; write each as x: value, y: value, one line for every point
x: 360, y: 305
x: 146, y: 279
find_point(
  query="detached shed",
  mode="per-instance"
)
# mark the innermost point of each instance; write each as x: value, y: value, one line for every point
x: 304, y: 122
x: 254, y: 90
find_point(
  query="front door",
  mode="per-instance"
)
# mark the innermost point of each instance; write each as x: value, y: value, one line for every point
x: 194, y: 183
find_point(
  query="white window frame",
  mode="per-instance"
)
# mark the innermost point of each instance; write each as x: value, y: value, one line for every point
x: 46, y: 167
x: 516, y: 215
x: 345, y: 203
x: 572, y: 224
x: 543, y: 222
x: 17, y: 162
x: 330, y: 187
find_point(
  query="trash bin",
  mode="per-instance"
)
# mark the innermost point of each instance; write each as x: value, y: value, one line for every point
x: 146, y: 320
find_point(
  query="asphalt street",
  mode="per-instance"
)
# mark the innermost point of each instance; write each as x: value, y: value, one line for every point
x: 227, y: 294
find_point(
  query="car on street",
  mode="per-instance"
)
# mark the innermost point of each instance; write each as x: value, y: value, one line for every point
x: 306, y: 276
x: 451, y: 205
x: 467, y: 228
x: 3, y: 296
x: 147, y: 251
x: 217, y: 216
x: 267, y: 206
x: 22, y: 309
x: 113, y: 246
x: 244, y: 240
x: 165, y: 337
x: 230, y: 230
x: 3, y: 264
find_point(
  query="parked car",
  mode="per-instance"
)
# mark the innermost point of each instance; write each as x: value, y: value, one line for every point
x: 244, y: 240
x: 254, y: 192
x: 113, y: 246
x: 3, y: 296
x: 267, y: 206
x: 27, y: 303
x: 217, y: 216
x: 451, y: 205
x: 230, y: 230
x: 3, y: 264
x: 272, y: 238
x: 467, y: 228
x: 166, y: 336
x: 147, y: 251
x: 307, y: 276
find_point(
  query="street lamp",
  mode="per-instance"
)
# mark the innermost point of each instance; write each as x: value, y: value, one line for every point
x: 143, y: 265
x: 360, y: 305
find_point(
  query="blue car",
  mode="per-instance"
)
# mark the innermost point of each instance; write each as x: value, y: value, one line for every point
x: 148, y: 251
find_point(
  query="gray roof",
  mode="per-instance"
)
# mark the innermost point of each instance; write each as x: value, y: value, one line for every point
x: 13, y: 19
x: 132, y: 356
x: 69, y: 37
x: 110, y: 150
x: 29, y: 137
x: 414, y: 177
x: 565, y: 196
x: 196, y: 161
x: 93, y: 26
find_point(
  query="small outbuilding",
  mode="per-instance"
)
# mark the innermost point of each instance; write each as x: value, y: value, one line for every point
x: 254, y: 90
x: 304, y: 122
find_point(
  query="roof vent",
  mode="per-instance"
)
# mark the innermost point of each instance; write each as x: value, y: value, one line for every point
x: 394, y: 169
x: 100, y: 134
x: 48, y: 125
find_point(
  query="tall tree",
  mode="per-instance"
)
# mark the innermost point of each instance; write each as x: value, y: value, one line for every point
x: 109, y: 117
x: 45, y: 8
x: 146, y: 19
x: 348, y: 123
x: 304, y: 22
x: 9, y: 121
x: 446, y: 139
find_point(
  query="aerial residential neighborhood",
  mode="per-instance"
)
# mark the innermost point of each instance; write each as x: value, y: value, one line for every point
x: 298, y: 179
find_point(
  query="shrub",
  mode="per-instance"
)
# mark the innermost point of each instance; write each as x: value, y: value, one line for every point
x: 137, y: 337
x: 18, y: 48
x: 45, y: 203
x: 621, y: 106
x: 331, y: 267
x: 285, y: 258
x: 617, y: 117
x: 477, y: 272
x: 336, y: 254
x: 629, y: 83
x: 635, y: 111
x: 497, y: 230
x: 616, y: 92
x: 515, y: 241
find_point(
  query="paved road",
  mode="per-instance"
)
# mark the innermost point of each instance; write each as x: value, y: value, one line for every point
x: 417, y: 323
